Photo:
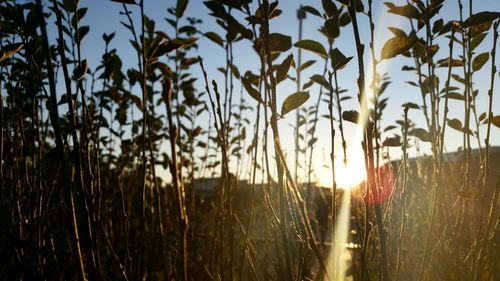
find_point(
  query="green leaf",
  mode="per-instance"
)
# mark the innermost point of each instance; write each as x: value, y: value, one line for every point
x: 482, y: 117
x: 458, y: 78
x: 455, y: 124
x: 172, y: 45
x: 477, y: 40
x: 329, y: 7
x: 446, y: 62
x: 69, y: 5
x: 479, y: 29
x: 78, y: 16
x: 359, y: 6
x: 312, y: 141
x: 455, y: 96
x: 306, y: 65
x: 294, y: 101
x: 480, y: 18
x: 396, y: 46
x: 411, y: 105
x: 407, y: 11
x: 332, y: 27
x: 320, y: 80
x: 398, y: 32
x: 82, y: 31
x: 480, y: 60
x: 124, y: 1
x: 10, y: 50
x: 121, y: 115
x: 282, y: 69
x: 344, y: 2
x: 338, y: 60
x: 390, y: 127
x: 422, y: 134
x: 311, y: 10
x: 180, y: 8
x: 392, y: 141
x: 235, y: 71
x: 438, y: 25
x: 251, y: 90
x: 279, y: 42
x: 312, y: 46
x: 344, y: 19
x: 217, y: 8
x: 215, y: 38
x: 495, y: 120
x: 80, y: 71
x: 351, y: 116
x: 429, y: 83
x: 108, y: 37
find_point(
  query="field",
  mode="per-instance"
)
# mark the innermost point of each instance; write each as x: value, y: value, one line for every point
x: 203, y: 140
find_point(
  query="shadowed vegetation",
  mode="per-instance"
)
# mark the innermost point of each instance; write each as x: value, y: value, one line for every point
x: 153, y: 166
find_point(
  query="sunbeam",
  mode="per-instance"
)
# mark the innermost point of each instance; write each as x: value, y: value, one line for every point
x: 337, y: 261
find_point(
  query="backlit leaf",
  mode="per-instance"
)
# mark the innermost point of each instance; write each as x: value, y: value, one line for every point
x: 438, y: 25
x: 283, y: 68
x: 320, y: 80
x: 396, y: 46
x: 311, y: 10
x: 312, y: 46
x: 351, y: 116
x: 390, y: 127
x: 446, y: 62
x: 455, y: 124
x: 180, y: 8
x: 495, y: 120
x: 422, y: 134
x: 455, y: 96
x: 121, y: 115
x: 332, y: 27
x: 338, y: 60
x: 480, y: 60
x: 479, y: 29
x: 294, y: 101
x: 82, y: 31
x: 398, y: 32
x: 10, y: 50
x: 477, y: 40
x: 172, y: 45
x: 482, y: 117
x: 392, y: 141
x: 329, y: 7
x: 407, y: 11
x: 279, y: 42
x: 344, y: 19
x: 411, y: 105
x: 215, y: 38
x: 480, y: 18
x: 235, y: 71
x: 251, y: 90
x: 306, y: 65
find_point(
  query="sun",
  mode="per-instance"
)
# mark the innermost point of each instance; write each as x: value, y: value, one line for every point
x: 346, y: 176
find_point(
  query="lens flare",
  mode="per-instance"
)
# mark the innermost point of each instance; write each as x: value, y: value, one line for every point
x: 339, y: 254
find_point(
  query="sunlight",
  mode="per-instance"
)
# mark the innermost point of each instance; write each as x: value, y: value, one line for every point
x: 339, y: 255
x: 347, y: 176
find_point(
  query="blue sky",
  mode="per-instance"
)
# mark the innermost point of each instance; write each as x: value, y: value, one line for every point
x: 103, y: 17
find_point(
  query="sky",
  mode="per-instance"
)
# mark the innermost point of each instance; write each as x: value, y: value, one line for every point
x: 103, y: 17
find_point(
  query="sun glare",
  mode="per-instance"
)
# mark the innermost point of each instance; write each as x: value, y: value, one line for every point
x: 346, y: 176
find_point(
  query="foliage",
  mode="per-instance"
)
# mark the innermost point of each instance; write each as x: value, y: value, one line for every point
x: 135, y: 171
